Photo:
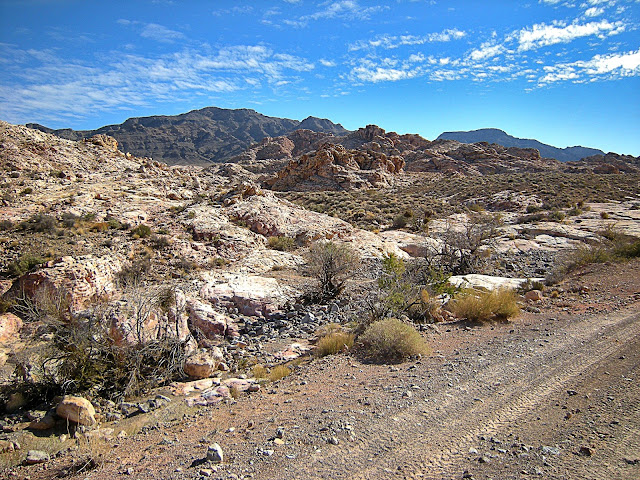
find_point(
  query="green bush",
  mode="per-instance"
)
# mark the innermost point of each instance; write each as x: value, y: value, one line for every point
x: 474, y: 306
x: 141, y: 231
x: 24, y: 264
x: 283, y: 244
x: 391, y: 340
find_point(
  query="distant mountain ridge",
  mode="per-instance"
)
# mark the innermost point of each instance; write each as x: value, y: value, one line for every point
x: 200, y: 137
x: 494, y: 135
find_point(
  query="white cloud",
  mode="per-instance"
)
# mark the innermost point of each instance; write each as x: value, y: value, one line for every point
x: 611, y: 66
x: 486, y: 50
x: 159, y: 33
x: 594, y: 12
x: 343, y: 9
x: 327, y: 63
x: 541, y: 35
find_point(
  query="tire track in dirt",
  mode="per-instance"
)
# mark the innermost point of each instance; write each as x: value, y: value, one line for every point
x: 421, y: 442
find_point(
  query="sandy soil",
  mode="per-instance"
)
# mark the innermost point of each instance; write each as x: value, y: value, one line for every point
x: 552, y: 394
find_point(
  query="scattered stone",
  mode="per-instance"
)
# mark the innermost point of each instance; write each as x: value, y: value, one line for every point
x: 76, y: 409
x: 585, y: 451
x: 333, y: 441
x: 571, y: 392
x: 546, y: 450
x: 36, y: 456
x: 484, y: 459
x: 214, y: 453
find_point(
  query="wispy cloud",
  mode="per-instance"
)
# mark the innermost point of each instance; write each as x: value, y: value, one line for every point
x: 542, y: 35
x: 395, y: 41
x: 73, y: 89
x: 343, y: 9
x: 153, y: 31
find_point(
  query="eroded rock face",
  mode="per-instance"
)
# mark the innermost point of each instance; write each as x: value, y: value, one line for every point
x: 82, y: 281
x: 269, y: 216
x: 76, y: 409
x: 105, y: 141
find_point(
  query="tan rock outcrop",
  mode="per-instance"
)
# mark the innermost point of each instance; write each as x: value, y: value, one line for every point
x: 333, y: 166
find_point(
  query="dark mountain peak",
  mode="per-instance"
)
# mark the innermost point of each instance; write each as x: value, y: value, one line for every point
x: 494, y: 135
x: 209, y: 134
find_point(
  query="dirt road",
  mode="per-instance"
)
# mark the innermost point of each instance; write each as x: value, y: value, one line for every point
x: 553, y: 394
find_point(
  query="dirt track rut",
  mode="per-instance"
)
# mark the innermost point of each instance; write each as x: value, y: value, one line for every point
x: 511, y: 381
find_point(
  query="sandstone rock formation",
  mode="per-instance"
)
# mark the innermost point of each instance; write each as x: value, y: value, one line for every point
x: 335, y: 167
x: 203, y: 363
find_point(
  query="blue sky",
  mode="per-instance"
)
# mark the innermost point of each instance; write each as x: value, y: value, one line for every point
x: 566, y: 72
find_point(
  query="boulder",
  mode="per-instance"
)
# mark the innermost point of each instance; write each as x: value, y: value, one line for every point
x: 10, y: 326
x: 204, y: 363
x: 207, y: 320
x: 488, y: 282
x: 76, y: 409
x: 533, y: 296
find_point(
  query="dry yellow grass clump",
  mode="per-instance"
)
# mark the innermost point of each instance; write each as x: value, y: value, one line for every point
x: 474, y: 306
x: 333, y: 339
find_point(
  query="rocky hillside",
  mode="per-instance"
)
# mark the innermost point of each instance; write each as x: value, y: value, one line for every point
x: 198, y: 137
x: 494, y: 135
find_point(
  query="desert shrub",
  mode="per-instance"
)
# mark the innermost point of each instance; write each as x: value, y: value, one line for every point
x: 6, y: 225
x: 604, y: 215
x: 40, y: 223
x: 278, y: 372
x: 463, y: 250
x: 283, y: 244
x: 628, y: 250
x: 160, y: 241
x: 400, y: 221
x: 474, y: 306
x: 141, y: 231
x: 69, y: 219
x: 556, y: 216
x: 391, y: 340
x: 330, y: 264
x: 133, y: 272
x: 333, y: 339
x: 24, y: 264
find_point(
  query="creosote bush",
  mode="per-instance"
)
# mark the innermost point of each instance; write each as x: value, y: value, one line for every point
x: 391, y: 340
x: 500, y: 304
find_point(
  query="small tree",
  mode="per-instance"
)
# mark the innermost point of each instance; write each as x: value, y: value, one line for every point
x: 460, y: 250
x: 331, y: 264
